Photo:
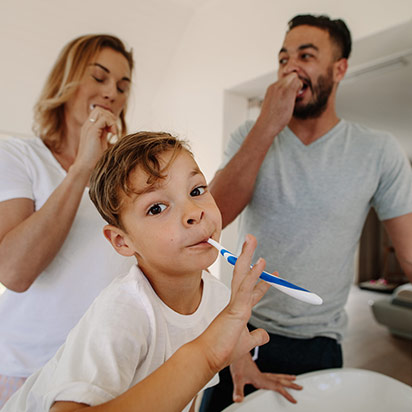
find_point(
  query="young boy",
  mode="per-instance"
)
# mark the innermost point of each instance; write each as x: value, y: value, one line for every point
x: 154, y: 197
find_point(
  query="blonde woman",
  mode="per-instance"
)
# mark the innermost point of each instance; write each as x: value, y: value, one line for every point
x: 54, y: 259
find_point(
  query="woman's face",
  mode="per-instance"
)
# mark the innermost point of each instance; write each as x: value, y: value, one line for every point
x: 105, y: 83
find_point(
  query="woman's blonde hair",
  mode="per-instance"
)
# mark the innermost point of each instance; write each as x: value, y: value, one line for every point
x: 63, y: 81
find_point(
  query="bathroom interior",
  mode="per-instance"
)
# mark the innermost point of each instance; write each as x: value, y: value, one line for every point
x: 202, y: 83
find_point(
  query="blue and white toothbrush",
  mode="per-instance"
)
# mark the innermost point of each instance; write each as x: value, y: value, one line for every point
x: 275, y: 281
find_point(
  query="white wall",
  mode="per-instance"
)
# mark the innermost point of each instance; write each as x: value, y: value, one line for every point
x: 231, y: 41
x: 32, y: 33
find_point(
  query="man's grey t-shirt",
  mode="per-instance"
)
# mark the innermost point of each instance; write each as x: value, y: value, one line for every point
x: 307, y: 213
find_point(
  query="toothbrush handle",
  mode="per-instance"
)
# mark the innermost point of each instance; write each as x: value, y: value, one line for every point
x: 283, y: 285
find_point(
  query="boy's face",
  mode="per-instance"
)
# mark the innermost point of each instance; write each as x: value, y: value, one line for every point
x: 168, y: 225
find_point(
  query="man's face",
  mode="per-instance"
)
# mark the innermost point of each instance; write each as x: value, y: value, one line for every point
x: 309, y: 52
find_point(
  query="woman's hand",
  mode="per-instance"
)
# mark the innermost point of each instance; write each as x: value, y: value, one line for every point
x: 94, y: 137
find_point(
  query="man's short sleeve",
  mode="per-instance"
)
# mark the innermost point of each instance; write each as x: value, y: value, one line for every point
x: 393, y: 196
x: 235, y: 141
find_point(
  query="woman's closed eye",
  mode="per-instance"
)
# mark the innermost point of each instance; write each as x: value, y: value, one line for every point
x: 122, y: 87
x: 156, y: 209
x: 98, y: 79
x: 197, y: 191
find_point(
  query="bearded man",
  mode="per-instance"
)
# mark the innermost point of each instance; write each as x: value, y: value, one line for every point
x: 305, y: 181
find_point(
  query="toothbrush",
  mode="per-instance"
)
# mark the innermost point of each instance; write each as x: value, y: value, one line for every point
x: 283, y: 285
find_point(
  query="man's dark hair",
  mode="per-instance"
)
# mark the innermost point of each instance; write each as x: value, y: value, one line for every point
x: 337, y: 29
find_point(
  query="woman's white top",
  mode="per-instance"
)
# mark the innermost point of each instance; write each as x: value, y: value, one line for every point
x: 35, y: 323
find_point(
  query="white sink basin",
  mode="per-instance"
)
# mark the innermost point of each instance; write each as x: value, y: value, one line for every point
x: 337, y: 390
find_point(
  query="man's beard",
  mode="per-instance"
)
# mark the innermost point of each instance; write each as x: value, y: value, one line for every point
x: 320, y: 92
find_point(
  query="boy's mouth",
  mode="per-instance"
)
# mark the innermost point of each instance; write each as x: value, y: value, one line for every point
x: 201, y: 242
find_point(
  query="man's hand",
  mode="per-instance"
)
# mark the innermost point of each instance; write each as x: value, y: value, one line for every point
x: 245, y: 371
x: 278, y: 104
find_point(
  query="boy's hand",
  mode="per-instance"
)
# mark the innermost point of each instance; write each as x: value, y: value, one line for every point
x: 228, y: 338
x: 245, y: 371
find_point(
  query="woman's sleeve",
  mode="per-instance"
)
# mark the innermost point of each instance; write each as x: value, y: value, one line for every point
x: 15, y: 179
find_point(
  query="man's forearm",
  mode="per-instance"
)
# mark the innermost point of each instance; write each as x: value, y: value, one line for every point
x: 232, y: 187
x: 400, y: 232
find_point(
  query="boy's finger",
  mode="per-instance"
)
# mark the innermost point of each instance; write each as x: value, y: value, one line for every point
x: 259, y: 291
x: 257, y: 269
x: 243, y: 262
x: 238, y: 391
x: 248, y: 248
x: 287, y: 395
x: 251, y: 275
x: 258, y: 337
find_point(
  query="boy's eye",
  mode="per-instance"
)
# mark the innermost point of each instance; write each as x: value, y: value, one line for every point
x: 156, y: 209
x: 197, y: 191
x: 283, y: 61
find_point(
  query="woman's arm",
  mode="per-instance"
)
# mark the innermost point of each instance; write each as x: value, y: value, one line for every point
x: 29, y: 239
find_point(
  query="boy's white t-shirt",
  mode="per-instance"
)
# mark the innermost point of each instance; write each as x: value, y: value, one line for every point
x: 126, y: 334
x: 34, y: 324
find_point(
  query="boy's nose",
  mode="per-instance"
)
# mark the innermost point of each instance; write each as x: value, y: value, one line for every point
x: 194, y: 215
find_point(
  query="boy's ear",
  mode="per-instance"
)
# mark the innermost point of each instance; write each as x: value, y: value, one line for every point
x: 119, y: 240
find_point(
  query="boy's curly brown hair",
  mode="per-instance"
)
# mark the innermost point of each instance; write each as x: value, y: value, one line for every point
x: 109, y: 182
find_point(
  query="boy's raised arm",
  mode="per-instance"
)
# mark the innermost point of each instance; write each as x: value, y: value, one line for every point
x: 172, y: 386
